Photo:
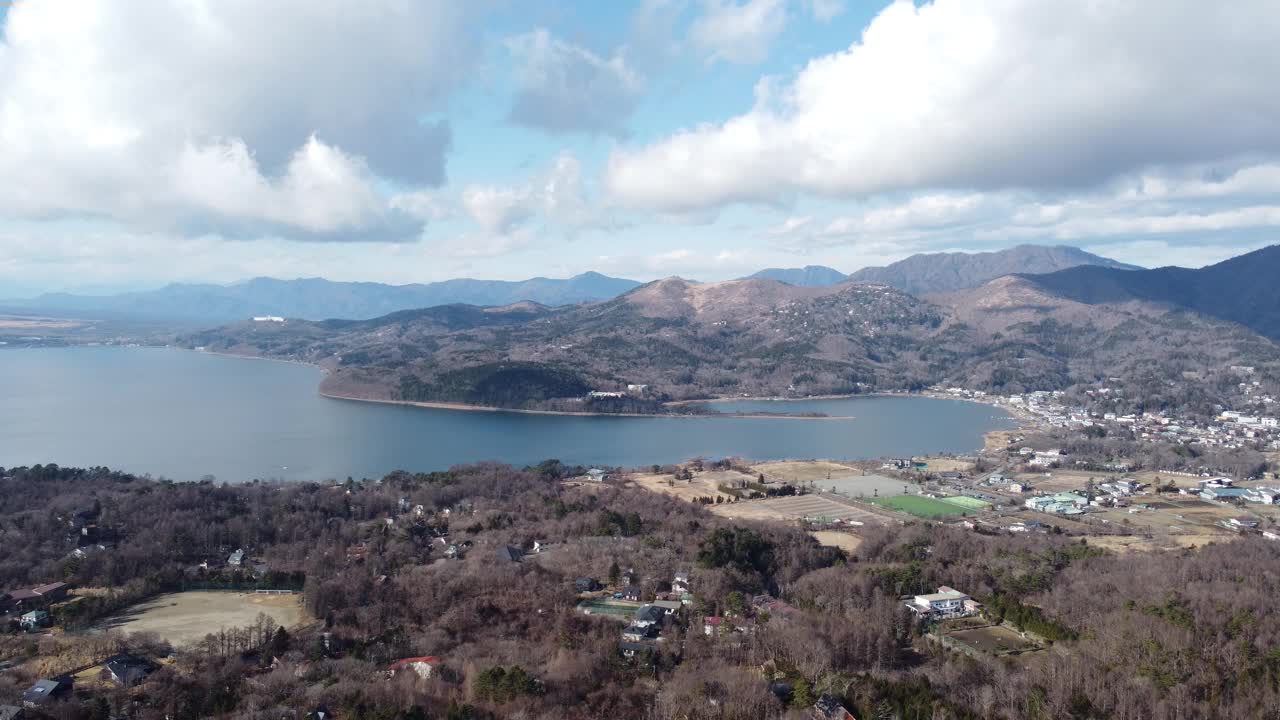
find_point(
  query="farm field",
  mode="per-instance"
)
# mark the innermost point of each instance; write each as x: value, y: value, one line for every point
x: 183, y: 619
x: 923, y: 507
x: 796, y: 508
x: 806, y: 471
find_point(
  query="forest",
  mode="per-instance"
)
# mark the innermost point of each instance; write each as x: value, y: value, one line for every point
x: 1175, y: 635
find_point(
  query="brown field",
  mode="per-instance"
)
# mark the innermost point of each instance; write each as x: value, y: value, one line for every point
x: 796, y: 508
x: 1059, y: 480
x: 832, y: 538
x: 993, y: 640
x: 805, y: 471
x: 944, y: 464
x: 184, y: 619
x: 703, y: 484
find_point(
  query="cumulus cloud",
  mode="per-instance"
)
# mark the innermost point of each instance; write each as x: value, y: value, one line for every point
x: 563, y: 87
x: 738, y: 32
x: 1172, y: 203
x: 985, y: 94
x: 225, y: 112
x: 558, y: 195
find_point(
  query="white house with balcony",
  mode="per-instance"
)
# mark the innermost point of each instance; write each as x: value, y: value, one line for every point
x: 945, y: 603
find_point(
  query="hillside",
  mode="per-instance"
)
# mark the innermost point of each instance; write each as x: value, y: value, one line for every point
x: 317, y: 299
x: 948, y: 272
x: 689, y: 340
x: 807, y: 276
x: 1239, y: 290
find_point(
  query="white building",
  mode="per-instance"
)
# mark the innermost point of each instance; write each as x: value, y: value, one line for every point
x: 946, y: 603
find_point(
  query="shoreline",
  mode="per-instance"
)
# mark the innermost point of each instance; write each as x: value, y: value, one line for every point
x: 571, y: 413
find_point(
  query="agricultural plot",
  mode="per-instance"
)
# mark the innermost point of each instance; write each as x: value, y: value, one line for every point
x: 922, y: 507
x: 797, y: 508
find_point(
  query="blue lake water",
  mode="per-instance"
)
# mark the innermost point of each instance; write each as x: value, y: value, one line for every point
x: 184, y: 415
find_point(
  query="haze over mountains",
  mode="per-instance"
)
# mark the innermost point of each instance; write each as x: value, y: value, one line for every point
x: 318, y: 299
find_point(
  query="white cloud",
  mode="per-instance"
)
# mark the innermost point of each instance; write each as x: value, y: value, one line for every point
x: 738, y: 32
x: 558, y: 195
x: 224, y: 112
x: 986, y: 94
x: 563, y: 87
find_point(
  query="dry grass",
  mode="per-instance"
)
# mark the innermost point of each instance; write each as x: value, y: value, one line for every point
x: 944, y: 464
x: 833, y: 538
x: 37, y: 323
x: 702, y: 485
x: 805, y: 471
x: 183, y: 619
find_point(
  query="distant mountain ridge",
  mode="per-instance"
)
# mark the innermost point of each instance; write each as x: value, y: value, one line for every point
x: 807, y: 276
x: 948, y: 272
x: 319, y: 299
x: 1242, y: 289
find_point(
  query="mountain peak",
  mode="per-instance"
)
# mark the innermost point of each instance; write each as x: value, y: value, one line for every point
x: 946, y: 272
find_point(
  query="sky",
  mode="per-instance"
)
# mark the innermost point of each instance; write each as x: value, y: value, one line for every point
x: 148, y: 142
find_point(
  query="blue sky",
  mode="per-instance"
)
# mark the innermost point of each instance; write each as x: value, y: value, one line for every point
x: 215, y: 140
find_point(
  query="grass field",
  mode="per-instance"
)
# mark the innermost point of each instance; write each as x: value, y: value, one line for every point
x: 966, y: 502
x: 923, y: 507
x: 184, y: 619
x: 613, y: 608
x: 993, y: 640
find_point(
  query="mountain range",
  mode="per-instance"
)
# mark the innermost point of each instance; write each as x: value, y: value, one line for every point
x: 946, y: 272
x: 318, y: 299
x: 688, y: 340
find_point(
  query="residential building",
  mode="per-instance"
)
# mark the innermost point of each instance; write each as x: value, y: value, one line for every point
x: 422, y: 666
x: 637, y: 633
x: 945, y: 603
x: 236, y: 559
x: 649, y: 615
x: 510, y: 554
x: 44, y: 691
x: 586, y: 584
x: 128, y: 670
x: 12, y: 712
x: 34, y: 620
x: 597, y: 475
x: 711, y: 625
x: 830, y: 708
x: 52, y: 592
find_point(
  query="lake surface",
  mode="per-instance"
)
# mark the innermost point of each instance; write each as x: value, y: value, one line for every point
x: 183, y: 415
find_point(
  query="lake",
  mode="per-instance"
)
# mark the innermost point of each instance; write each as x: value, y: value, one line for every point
x: 184, y: 415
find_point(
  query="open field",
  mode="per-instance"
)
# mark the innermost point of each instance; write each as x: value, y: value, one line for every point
x: 833, y: 538
x: 993, y: 640
x: 944, y: 464
x: 796, y: 508
x: 923, y: 507
x: 184, y: 619
x: 966, y: 503
x: 864, y: 486
x: 703, y: 484
x: 806, y: 471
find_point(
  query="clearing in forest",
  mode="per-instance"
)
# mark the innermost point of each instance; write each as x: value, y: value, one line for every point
x: 184, y: 618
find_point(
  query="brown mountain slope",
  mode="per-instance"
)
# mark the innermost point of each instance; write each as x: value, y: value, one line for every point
x: 688, y: 340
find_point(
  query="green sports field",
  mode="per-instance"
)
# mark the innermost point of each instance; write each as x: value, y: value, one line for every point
x: 966, y: 502
x: 923, y: 507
